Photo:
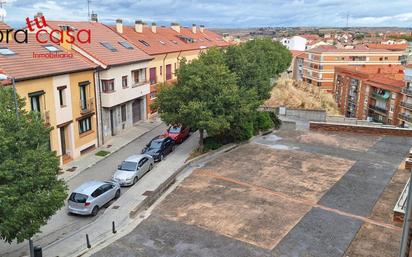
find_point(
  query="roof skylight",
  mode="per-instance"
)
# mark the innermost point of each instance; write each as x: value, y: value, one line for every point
x: 52, y: 48
x: 108, y: 46
x: 6, y: 51
x: 144, y: 43
x: 126, y: 45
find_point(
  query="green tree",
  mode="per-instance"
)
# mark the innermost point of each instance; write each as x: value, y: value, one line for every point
x: 256, y: 63
x: 30, y: 192
x: 205, y: 97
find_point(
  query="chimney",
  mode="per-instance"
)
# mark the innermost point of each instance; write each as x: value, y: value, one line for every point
x: 93, y: 17
x: 154, y: 28
x: 119, y: 26
x: 194, y: 28
x: 138, y: 26
x: 201, y: 28
x: 38, y: 15
x: 175, y: 26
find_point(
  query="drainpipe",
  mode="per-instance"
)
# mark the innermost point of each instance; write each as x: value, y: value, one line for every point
x: 164, y: 66
x: 100, y: 103
x: 178, y: 61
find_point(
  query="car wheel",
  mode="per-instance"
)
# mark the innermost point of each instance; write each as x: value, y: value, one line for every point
x: 151, y: 167
x: 117, y: 195
x: 173, y: 148
x: 135, y: 180
x: 95, y: 210
x: 162, y: 157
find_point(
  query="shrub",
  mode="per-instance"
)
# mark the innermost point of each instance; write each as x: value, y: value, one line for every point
x: 276, y: 121
x: 212, y: 143
x: 263, y: 122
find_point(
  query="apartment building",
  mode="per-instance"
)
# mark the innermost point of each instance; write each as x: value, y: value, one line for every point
x: 369, y: 92
x: 296, y: 67
x: 60, y: 90
x: 121, y: 81
x: 167, y: 46
x: 405, y: 115
x: 320, y: 62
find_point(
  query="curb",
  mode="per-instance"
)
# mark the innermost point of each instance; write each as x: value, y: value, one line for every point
x: 111, y: 153
x: 146, y: 203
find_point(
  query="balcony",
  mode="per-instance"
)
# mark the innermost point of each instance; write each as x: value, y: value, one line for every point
x: 378, y: 109
x: 405, y: 117
x: 87, y: 106
x: 406, y: 105
x: 407, y: 91
x: 384, y: 96
x: 139, y: 83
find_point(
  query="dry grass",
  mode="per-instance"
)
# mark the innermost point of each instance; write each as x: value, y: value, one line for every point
x: 293, y: 94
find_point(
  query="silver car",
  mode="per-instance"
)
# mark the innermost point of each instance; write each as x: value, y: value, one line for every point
x: 133, y: 168
x: 88, y: 198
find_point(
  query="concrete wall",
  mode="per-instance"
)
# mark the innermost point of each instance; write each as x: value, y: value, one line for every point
x: 301, y: 114
x: 372, y: 130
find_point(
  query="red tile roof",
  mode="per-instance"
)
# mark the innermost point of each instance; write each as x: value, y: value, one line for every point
x: 400, y: 47
x: 167, y: 40
x: 4, y: 26
x: 385, y: 80
x: 334, y: 49
x: 22, y: 65
x: 296, y: 53
x: 101, y: 33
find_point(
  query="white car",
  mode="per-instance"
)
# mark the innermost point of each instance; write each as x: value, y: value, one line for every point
x: 132, y: 169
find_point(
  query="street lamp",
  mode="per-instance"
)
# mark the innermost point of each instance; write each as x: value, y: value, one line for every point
x: 13, y: 81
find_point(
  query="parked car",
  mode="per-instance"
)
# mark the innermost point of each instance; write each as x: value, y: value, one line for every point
x: 133, y: 168
x: 178, y: 133
x: 88, y: 198
x: 159, y: 147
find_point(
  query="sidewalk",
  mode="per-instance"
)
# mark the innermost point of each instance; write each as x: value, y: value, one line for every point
x: 112, y: 145
x: 101, y: 229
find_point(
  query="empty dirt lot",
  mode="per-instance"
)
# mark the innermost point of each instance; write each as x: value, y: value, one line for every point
x: 286, y: 194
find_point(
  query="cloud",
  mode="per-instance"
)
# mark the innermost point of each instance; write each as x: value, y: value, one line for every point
x: 228, y: 13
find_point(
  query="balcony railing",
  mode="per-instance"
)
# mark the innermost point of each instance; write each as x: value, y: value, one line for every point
x: 45, y: 115
x: 406, y: 105
x: 378, y: 109
x: 139, y: 83
x: 405, y: 117
x: 408, y: 78
x: 87, y: 106
x: 407, y: 91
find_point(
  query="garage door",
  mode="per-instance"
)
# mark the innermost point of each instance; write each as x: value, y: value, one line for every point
x: 136, y: 109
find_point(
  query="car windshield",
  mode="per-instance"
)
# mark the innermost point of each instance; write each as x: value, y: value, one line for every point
x: 128, y: 166
x: 156, y: 144
x: 175, y: 130
x: 78, y: 198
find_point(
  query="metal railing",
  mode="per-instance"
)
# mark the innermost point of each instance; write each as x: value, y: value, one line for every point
x: 405, y: 117
x: 406, y: 105
x: 378, y: 109
x: 407, y: 91
x: 87, y: 106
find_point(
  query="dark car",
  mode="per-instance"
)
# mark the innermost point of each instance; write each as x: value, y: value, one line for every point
x: 159, y: 147
x: 178, y: 133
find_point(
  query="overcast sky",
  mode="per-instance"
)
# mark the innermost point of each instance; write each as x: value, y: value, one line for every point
x: 223, y: 13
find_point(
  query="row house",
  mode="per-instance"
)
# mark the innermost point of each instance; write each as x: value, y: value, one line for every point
x: 370, y: 92
x: 60, y: 90
x: 296, y: 67
x: 121, y: 81
x: 405, y: 115
x: 167, y: 46
x: 320, y: 62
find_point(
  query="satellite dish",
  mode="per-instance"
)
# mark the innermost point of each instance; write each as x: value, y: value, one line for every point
x: 3, y: 13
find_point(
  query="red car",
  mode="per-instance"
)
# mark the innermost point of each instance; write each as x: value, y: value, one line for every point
x: 177, y: 133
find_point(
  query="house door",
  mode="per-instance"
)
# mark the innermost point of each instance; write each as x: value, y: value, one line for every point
x: 112, y: 122
x: 63, y: 140
x: 137, y: 114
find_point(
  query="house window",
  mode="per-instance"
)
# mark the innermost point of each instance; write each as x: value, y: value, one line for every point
x: 168, y: 71
x: 139, y: 76
x: 108, y: 85
x: 161, y: 70
x: 153, y: 95
x: 62, y: 96
x: 35, y: 103
x: 175, y: 68
x: 85, y: 125
x: 123, y: 112
x: 152, y: 76
x: 124, y: 81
